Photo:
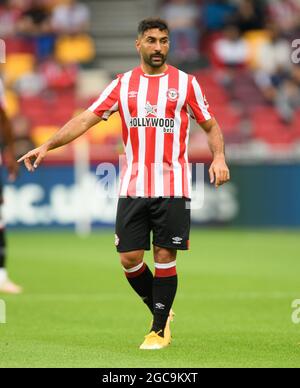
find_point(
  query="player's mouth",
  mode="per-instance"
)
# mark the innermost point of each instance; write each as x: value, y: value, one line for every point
x: 157, y: 57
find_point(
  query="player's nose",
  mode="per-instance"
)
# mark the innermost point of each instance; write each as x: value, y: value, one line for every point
x: 157, y: 47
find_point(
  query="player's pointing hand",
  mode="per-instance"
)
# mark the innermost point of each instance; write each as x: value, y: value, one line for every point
x: 33, y: 158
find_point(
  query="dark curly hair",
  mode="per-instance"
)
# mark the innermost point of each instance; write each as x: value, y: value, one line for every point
x: 150, y: 23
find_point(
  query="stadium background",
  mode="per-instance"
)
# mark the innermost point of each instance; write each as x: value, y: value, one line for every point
x: 241, y: 52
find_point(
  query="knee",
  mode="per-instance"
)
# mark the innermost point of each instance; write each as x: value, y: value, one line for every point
x: 131, y: 259
x: 163, y: 255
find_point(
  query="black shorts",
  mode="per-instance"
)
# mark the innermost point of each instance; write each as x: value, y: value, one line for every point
x: 168, y: 218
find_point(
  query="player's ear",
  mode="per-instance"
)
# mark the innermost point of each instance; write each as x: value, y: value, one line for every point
x: 138, y: 45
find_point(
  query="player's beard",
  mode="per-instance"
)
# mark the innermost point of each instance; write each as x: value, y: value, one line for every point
x: 149, y: 59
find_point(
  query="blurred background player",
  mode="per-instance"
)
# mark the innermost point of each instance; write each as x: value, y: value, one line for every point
x: 7, y: 141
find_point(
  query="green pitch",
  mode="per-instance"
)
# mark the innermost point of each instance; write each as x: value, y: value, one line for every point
x: 233, y: 305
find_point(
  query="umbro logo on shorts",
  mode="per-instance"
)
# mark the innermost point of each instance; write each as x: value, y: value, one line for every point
x: 160, y: 306
x: 177, y: 240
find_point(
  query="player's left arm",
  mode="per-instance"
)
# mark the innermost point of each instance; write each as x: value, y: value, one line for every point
x: 219, y: 172
x: 9, y: 145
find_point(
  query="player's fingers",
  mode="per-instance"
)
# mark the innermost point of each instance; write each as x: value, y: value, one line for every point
x: 211, y: 175
x: 27, y: 156
x: 224, y: 176
x: 39, y: 159
x: 22, y: 159
x: 218, y: 178
x: 28, y: 164
x: 228, y: 176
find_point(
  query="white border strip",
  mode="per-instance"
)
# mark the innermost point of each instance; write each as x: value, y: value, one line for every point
x: 165, y: 266
x: 134, y: 269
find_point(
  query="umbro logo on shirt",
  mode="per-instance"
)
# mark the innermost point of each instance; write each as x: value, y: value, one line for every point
x: 132, y: 94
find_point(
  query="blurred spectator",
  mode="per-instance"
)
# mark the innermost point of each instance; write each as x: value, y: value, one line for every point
x: 30, y: 84
x: 182, y: 17
x: 23, y: 141
x: 231, y: 50
x: 9, y: 16
x: 35, y: 24
x: 35, y: 20
x: 59, y: 76
x: 216, y: 14
x: 285, y: 14
x: 288, y: 96
x: 273, y: 63
x: 72, y: 17
x: 250, y: 16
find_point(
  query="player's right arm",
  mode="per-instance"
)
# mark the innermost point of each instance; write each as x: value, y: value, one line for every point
x: 71, y: 131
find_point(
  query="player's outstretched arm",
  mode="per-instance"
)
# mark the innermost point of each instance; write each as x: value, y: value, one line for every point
x: 219, y: 172
x: 71, y: 131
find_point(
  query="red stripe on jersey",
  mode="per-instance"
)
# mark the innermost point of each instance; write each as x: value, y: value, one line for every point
x: 134, y: 84
x: 152, y: 97
x: 124, y: 125
x: 195, y: 103
x: 169, y: 189
x: 183, y: 147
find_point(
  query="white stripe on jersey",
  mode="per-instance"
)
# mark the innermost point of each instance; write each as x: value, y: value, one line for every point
x: 186, y: 161
x: 104, y: 95
x: 128, y: 147
x: 160, y: 138
x: 183, y: 86
x: 107, y: 114
x: 200, y: 99
x: 142, y: 100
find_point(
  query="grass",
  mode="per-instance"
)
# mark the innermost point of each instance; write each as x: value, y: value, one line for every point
x: 233, y: 304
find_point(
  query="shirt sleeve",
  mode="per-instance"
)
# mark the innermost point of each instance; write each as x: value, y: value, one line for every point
x: 108, y: 101
x: 198, y: 104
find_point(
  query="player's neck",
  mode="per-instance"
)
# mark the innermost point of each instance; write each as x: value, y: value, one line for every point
x: 149, y: 70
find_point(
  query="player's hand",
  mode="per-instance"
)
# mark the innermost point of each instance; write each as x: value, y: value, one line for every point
x: 13, y: 167
x: 219, y: 172
x: 33, y: 158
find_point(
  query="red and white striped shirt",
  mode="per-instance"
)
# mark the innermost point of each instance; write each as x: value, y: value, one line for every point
x: 155, y: 113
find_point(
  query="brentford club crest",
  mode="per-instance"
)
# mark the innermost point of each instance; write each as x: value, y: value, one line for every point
x: 172, y: 95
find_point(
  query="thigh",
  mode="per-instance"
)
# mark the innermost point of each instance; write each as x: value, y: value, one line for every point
x: 171, y: 223
x: 132, y: 225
